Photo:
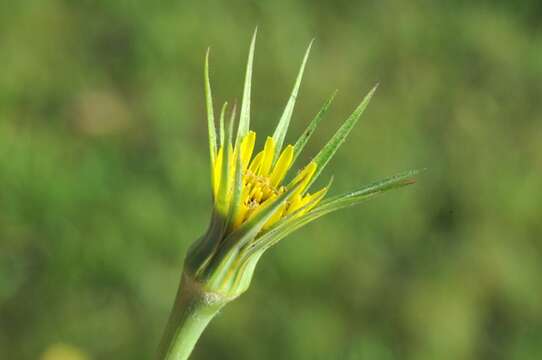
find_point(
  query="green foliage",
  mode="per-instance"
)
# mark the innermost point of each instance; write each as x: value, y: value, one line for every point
x: 104, y: 177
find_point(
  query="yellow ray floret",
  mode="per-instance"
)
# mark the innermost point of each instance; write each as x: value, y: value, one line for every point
x: 262, y: 177
x: 247, y: 147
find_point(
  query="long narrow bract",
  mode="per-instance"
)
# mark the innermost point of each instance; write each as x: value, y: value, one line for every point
x: 284, y: 122
x: 210, y: 111
x: 311, y: 128
x: 338, y: 139
x: 244, y: 115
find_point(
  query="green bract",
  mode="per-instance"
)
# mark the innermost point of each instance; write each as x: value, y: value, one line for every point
x: 223, y: 260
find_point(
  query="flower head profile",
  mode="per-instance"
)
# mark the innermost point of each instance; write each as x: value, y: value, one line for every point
x: 261, y: 196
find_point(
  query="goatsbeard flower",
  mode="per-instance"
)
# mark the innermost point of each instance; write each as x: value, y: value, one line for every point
x: 257, y: 201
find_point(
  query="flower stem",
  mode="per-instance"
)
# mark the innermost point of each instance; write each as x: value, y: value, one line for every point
x: 194, y: 308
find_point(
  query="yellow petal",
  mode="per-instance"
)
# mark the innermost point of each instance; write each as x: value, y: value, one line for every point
x: 267, y: 159
x: 240, y: 216
x: 247, y: 147
x: 294, y: 204
x: 262, y: 206
x: 310, y: 201
x: 231, y: 167
x: 217, y: 170
x: 304, y: 177
x: 255, y: 164
x: 276, y: 217
x: 282, y: 165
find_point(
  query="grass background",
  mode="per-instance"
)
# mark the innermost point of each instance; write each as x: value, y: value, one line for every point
x: 104, y: 177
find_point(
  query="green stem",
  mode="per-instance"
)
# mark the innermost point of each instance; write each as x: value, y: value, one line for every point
x: 194, y: 308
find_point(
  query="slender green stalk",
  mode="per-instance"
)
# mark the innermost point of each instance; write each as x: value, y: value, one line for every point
x: 194, y: 308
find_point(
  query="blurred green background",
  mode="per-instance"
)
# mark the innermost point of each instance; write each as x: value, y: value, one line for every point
x: 104, y: 177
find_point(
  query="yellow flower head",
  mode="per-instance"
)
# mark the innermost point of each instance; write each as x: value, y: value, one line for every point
x: 256, y: 203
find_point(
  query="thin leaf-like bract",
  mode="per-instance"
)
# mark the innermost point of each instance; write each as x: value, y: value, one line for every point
x: 335, y: 203
x: 284, y: 122
x: 304, y: 138
x: 375, y: 188
x: 244, y: 115
x: 237, y: 189
x: 221, y: 121
x: 338, y: 138
x: 225, y: 176
x: 210, y: 112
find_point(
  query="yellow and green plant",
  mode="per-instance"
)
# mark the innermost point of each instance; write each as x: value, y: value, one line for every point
x: 254, y: 206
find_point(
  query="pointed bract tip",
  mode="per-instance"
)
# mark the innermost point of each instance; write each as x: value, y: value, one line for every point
x: 207, y: 53
x: 333, y: 95
x: 234, y: 110
x: 409, y: 182
x: 330, y: 182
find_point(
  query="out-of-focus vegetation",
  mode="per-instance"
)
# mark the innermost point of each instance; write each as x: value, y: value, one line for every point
x: 104, y: 177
